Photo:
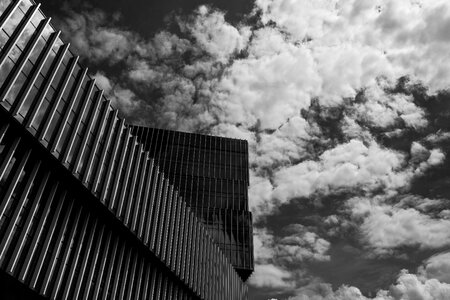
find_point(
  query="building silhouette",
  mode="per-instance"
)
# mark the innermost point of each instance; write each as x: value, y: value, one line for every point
x: 94, y: 208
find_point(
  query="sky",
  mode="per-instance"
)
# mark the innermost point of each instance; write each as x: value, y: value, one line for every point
x: 344, y: 103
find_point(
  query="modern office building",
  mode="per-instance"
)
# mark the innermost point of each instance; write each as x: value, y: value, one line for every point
x: 88, y: 208
x: 211, y: 174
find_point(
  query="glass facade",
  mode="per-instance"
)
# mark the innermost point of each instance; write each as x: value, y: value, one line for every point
x: 86, y: 211
x: 211, y: 174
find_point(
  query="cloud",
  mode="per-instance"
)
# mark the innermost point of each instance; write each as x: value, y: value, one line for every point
x: 388, y: 227
x: 260, y: 200
x: 383, y: 109
x: 297, y: 244
x: 301, y: 245
x: 437, y: 267
x: 324, y: 291
x: 122, y: 98
x: 286, y: 144
x: 268, y: 275
x: 303, y: 19
x: 94, y: 38
x: 408, y: 287
x: 214, y: 35
x: 347, y: 166
x: 276, y: 255
x: 267, y: 87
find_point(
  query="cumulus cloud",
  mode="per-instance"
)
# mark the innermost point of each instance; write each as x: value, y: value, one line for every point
x: 275, y: 256
x: 260, y: 200
x: 267, y: 90
x: 268, y: 275
x: 214, y: 35
x: 437, y: 267
x: 408, y: 287
x: 386, y: 227
x: 90, y: 34
x: 296, y: 245
x: 285, y: 145
x: 301, y: 245
x: 122, y: 98
x: 350, y: 165
x: 383, y: 109
x: 390, y: 37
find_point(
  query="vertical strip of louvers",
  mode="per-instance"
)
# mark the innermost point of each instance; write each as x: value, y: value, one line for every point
x: 211, y: 174
x: 85, y: 211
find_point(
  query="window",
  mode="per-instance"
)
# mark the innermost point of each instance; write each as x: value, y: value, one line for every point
x: 15, y: 89
x: 5, y: 68
x: 16, y: 17
x: 25, y: 36
x: 3, y: 37
x: 37, y: 18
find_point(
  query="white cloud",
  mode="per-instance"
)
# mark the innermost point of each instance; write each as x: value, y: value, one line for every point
x: 351, y: 165
x: 263, y: 245
x: 215, y: 35
x: 260, y: 200
x: 286, y: 144
x: 324, y: 291
x: 437, y: 267
x: 410, y: 287
x: 386, y: 227
x: 268, y: 275
x: 430, y: 158
x: 361, y: 40
x: 301, y: 245
x: 297, y: 245
x: 275, y: 256
x: 268, y: 89
x: 93, y: 37
x: 436, y: 157
x: 438, y: 137
x: 301, y: 18
x: 418, y: 151
x: 382, y: 109
x: 122, y: 98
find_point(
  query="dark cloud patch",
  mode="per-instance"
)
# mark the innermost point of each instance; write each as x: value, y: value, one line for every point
x: 147, y: 17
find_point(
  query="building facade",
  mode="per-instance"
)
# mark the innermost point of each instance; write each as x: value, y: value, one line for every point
x: 211, y: 174
x: 87, y: 211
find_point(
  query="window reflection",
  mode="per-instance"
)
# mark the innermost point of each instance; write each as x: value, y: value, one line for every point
x: 3, y: 39
x: 25, y: 5
x: 5, y: 68
x: 28, y: 101
x: 14, y: 20
x: 37, y: 18
x: 37, y: 50
x: 14, y: 91
x: 25, y: 36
